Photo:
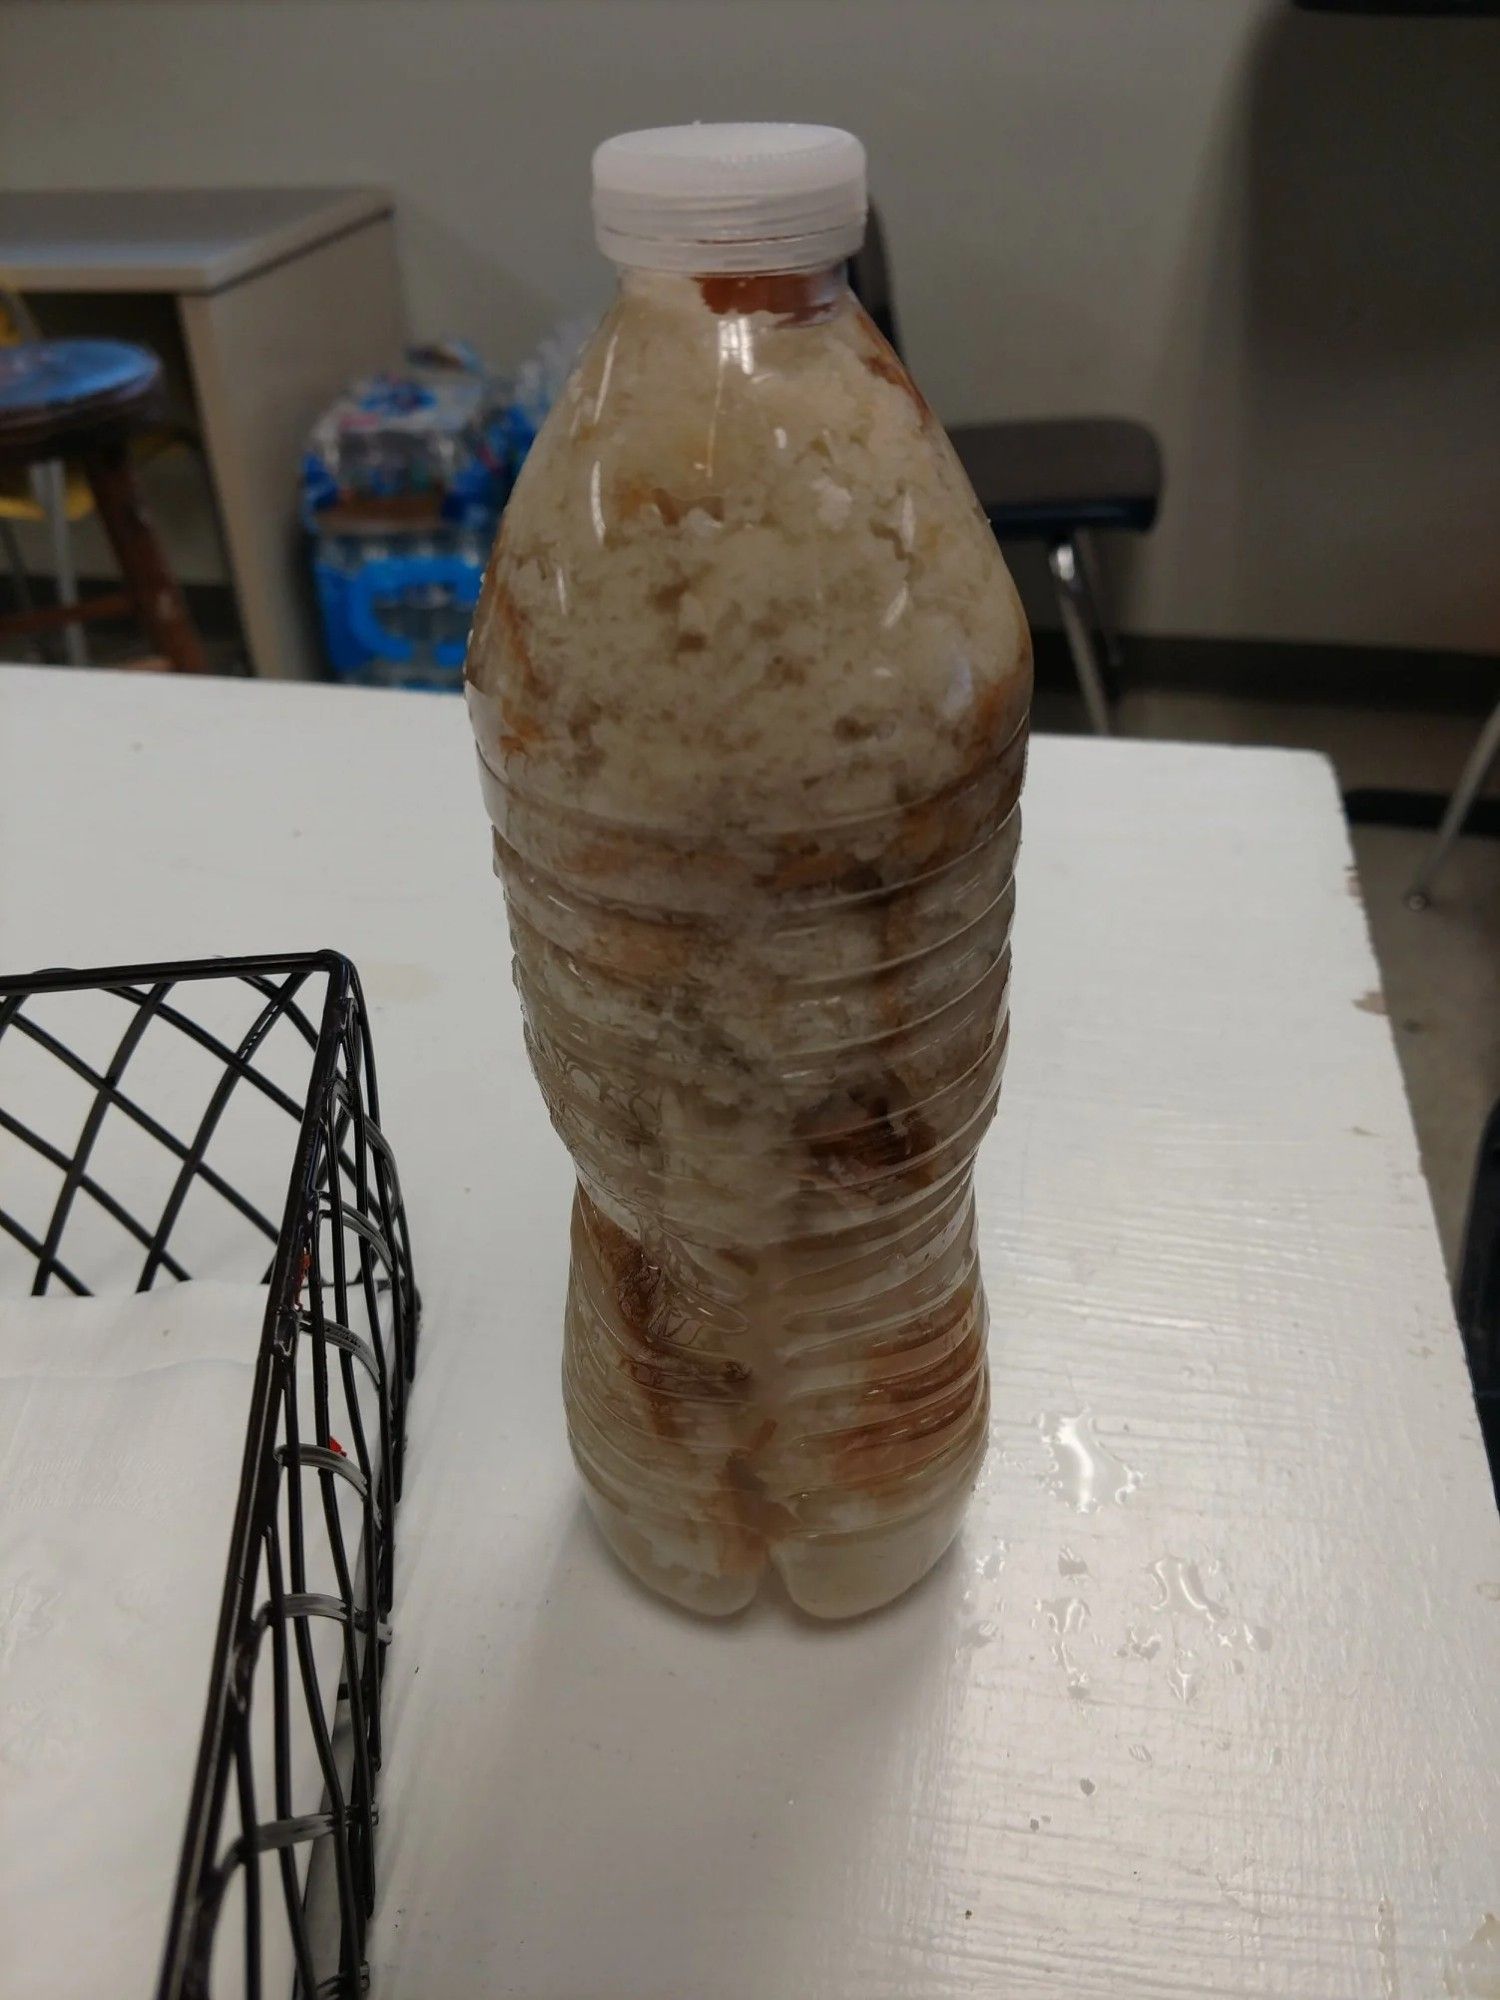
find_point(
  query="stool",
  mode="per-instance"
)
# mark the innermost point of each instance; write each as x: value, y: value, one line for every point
x: 79, y: 400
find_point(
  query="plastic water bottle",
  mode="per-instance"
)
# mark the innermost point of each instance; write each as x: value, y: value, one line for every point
x: 749, y: 683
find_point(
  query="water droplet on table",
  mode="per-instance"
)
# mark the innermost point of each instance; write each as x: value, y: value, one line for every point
x: 1138, y: 1646
x: 1182, y: 1676
x: 1473, y: 1972
x: 1066, y: 1617
x: 1085, y: 1473
x: 1181, y: 1592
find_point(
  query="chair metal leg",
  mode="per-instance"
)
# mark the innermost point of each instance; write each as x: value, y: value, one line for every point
x: 1473, y: 775
x: 1072, y: 602
x: 1099, y: 605
x: 49, y: 483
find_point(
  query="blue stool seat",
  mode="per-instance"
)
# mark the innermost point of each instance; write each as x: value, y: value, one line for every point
x: 44, y: 374
x: 51, y: 389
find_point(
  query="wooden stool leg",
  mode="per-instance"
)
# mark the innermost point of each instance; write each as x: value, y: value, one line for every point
x: 153, y: 589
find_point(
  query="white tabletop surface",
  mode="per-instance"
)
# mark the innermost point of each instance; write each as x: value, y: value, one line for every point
x: 166, y: 239
x: 1207, y: 1699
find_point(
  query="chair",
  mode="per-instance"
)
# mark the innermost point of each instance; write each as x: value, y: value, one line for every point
x: 79, y: 401
x: 1053, y: 480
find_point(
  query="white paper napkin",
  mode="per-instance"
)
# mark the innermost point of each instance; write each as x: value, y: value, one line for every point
x: 122, y: 1426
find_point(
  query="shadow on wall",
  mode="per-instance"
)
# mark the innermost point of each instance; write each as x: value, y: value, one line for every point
x: 1343, y: 294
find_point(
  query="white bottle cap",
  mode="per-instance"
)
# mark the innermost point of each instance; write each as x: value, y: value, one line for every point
x: 730, y: 197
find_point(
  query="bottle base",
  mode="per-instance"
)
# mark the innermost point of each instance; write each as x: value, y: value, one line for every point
x: 829, y: 1576
x: 673, y: 1566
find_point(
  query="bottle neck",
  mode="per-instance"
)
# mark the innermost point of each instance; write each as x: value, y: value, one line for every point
x: 798, y: 297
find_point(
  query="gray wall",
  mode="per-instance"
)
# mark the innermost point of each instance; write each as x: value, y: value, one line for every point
x: 1275, y: 236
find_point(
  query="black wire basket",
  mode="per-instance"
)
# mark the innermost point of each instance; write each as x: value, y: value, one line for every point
x: 220, y: 1118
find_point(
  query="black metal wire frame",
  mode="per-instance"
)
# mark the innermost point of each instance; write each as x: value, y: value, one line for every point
x: 340, y: 1295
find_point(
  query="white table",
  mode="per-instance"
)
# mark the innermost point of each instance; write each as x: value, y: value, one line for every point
x: 1235, y: 1733
x: 280, y: 296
